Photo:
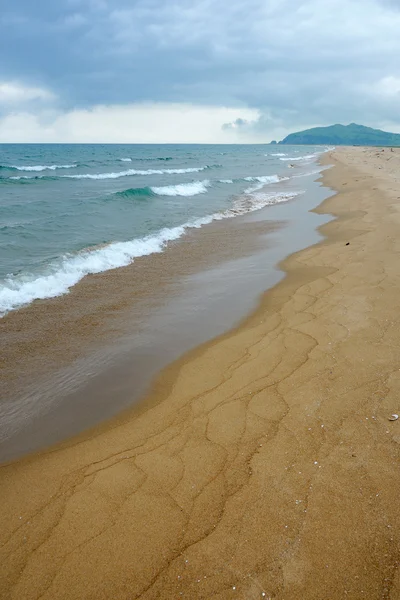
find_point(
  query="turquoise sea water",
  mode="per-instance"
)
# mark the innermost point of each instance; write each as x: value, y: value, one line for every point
x: 70, y: 210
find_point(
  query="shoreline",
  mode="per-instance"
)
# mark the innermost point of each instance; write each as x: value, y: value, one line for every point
x: 263, y: 465
x: 115, y: 331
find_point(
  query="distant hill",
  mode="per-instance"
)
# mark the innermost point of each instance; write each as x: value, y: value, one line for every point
x: 343, y: 135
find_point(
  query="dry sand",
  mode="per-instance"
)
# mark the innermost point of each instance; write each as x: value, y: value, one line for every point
x: 265, y: 465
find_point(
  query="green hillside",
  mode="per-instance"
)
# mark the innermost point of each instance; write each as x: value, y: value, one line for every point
x: 343, y: 135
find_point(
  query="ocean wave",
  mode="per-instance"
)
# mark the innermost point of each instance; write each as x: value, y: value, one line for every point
x: 181, y: 189
x: 196, y: 187
x: 15, y: 180
x: 38, y: 167
x: 12, y: 227
x: 29, y: 178
x: 305, y: 157
x: 135, y: 192
x: 276, y: 154
x: 317, y: 171
x: 139, y: 172
x: 66, y: 273
x: 261, y: 181
x: 264, y: 178
x: 18, y: 291
x: 253, y: 202
x: 115, y: 175
x: 157, y: 158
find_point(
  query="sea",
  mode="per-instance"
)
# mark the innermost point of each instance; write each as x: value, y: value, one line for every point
x: 67, y: 211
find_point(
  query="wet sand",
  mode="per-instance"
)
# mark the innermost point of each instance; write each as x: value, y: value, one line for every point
x: 264, y: 464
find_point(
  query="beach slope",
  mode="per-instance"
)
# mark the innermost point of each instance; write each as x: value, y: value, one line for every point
x: 265, y: 464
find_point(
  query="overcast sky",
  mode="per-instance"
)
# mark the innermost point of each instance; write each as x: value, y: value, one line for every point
x: 195, y: 71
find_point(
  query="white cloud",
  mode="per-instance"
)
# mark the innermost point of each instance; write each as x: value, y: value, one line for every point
x: 12, y: 92
x: 389, y: 86
x: 141, y: 123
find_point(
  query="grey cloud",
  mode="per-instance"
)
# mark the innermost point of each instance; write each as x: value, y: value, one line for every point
x: 300, y: 62
x: 237, y: 124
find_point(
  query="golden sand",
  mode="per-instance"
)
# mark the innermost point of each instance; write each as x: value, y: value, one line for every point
x: 265, y: 465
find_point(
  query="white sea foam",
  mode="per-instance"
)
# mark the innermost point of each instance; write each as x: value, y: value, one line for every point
x: 42, y: 167
x: 182, y: 189
x: 310, y: 173
x: 226, y: 181
x: 254, y: 202
x: 276, y: 154
x: 135, y: 172
x: 263, y: 178
x: 261, y: 181
x: 306, y: 157
x: 126, y: 159
x: 64, y: 274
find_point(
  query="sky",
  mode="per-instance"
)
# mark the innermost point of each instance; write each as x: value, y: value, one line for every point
x: 205, y: 71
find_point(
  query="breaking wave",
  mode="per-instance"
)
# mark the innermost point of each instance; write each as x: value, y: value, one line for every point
x: 156, y: 158
x: 306, y: 157
x: 181, y: 189
x: 261, y: 181
x: 62, y: 275
x: 36, y: 168
x: 126, y: 173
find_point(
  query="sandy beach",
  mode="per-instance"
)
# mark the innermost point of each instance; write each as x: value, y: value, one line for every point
x: 262, y: 464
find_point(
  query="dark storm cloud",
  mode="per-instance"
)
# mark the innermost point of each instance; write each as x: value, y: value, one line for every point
x: 298, y: 61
